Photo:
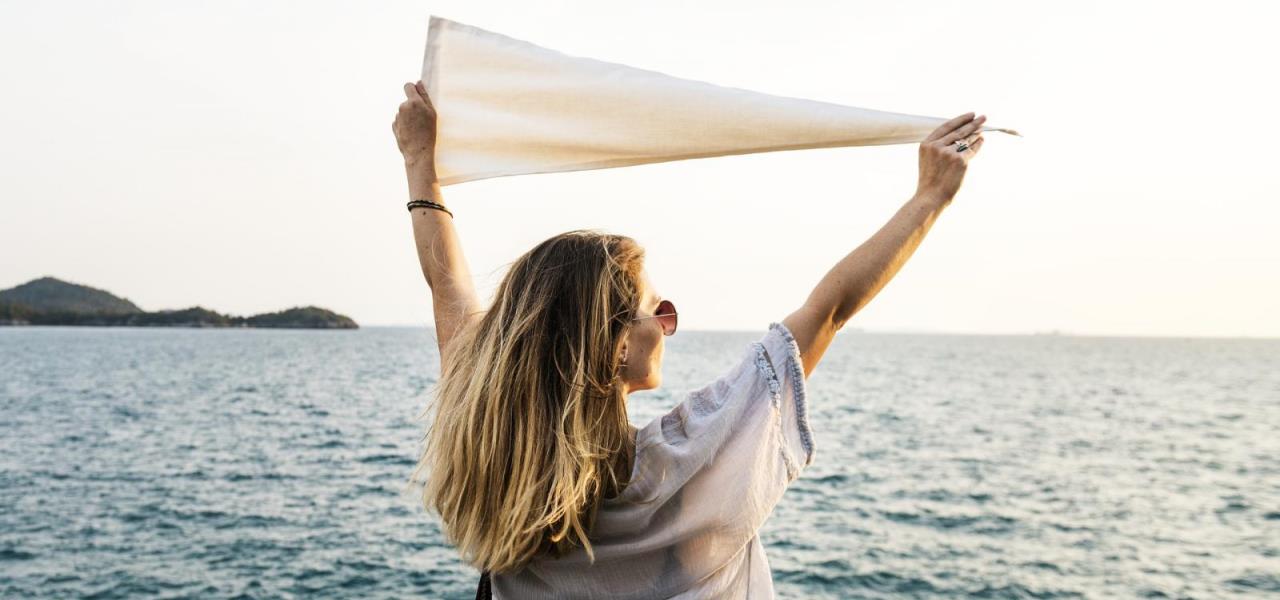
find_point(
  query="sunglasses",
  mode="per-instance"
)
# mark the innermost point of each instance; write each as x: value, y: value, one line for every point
x: 666, y: 316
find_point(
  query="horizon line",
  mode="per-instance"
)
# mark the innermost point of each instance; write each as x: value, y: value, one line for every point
x: 896, y: 331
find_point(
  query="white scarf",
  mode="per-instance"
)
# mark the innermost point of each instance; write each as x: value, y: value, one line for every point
x: 509, y: 107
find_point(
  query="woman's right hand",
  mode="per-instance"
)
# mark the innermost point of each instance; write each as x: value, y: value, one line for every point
x: 415, y: 128
x: 941, y: 167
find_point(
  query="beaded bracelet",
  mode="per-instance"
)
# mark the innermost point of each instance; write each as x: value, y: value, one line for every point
x: 427, y: 204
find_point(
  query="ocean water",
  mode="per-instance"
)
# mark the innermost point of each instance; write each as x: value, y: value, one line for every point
x: 183, y: 463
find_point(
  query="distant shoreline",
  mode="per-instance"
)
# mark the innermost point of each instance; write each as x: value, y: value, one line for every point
x: 25, y: 325
x: 7, y: 325
x: 48, y: 301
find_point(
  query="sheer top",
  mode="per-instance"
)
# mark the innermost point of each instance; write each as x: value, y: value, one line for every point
x: 706, y: 476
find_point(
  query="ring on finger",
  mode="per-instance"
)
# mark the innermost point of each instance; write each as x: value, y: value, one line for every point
x: 966, y: 142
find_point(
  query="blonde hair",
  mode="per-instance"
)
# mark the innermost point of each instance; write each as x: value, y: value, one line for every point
x: 530, y: 431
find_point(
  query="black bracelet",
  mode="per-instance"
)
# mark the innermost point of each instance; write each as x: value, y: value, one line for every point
x: 427, y: 204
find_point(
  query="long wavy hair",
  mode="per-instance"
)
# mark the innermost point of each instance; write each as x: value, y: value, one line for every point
x: 530, y: 432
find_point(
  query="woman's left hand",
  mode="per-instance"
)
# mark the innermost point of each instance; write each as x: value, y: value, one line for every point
x: 415, y: 128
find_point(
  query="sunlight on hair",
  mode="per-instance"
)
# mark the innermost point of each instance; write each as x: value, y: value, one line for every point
x: 530, y: 431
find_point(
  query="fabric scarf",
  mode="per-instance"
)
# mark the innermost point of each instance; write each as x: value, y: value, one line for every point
x: 509, y: 107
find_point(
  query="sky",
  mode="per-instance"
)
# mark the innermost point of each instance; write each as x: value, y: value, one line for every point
x: 239, y: 156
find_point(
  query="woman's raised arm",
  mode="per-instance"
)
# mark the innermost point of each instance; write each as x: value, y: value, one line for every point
x: 860, y: 275
x: 444, y: 266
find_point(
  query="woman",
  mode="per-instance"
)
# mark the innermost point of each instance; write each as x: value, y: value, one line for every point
x: 538, y: 476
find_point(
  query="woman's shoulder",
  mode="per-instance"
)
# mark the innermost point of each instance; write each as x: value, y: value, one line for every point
x: 765, y: 359
x: 694, y: 427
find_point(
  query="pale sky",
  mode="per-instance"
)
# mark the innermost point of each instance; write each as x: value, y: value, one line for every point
x: 239, y: 156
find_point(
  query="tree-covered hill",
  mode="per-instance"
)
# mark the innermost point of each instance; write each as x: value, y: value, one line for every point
x: 55, y: 295
x: 307, y: 316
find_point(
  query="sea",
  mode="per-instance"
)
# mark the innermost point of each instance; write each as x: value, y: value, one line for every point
x: 251, y: 463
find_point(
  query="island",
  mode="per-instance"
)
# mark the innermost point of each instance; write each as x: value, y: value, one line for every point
x: 51, y: 301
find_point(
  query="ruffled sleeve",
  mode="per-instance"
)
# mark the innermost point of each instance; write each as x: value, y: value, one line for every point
x: 784, y: 369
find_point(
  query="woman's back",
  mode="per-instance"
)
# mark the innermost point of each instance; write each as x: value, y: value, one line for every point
x: 706, y: 476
